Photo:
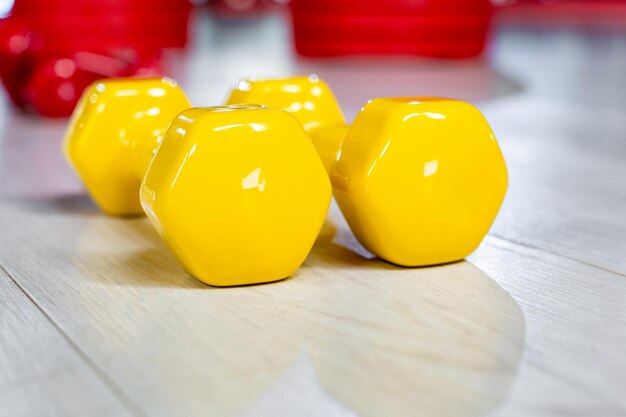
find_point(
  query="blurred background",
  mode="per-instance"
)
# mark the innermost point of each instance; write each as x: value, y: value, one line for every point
x: 518, y: 61
x: 50, y: 50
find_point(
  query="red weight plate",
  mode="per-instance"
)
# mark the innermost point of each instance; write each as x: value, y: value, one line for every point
x: 55, y: 86
x: 104, y: 42
x: 390, y: 7
x: 440, y: 28
x: 19, y: 51
x: 96, y: 7
x: 135, y: 24
x: 161, y: 31
x: 446, y: 50
x: 392, y: 29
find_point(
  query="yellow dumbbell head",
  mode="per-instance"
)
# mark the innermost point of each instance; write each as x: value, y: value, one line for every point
x: 419, y: 180
x: 238, y: 193
x: 308, y: 98
x: 113, y: 134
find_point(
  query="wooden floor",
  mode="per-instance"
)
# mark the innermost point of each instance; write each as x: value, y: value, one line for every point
x: 97, y: 318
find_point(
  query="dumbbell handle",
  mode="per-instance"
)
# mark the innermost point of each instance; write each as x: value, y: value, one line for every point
x: 327, y: 140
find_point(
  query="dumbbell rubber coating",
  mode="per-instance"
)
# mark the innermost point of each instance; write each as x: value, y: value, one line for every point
x: 307, y: 98
x: 419, y: 180
x: 238, y: 193
x: 113, y: 134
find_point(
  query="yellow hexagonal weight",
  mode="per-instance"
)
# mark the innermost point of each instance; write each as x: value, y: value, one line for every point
x: 113, y: 134
x: 308, y: 99
x: 238, y: 193
x: 419, y: 180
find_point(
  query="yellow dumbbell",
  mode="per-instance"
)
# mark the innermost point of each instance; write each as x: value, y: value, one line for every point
x: 419, y: 180
x: 238, y: 193
x: 113, y: 134
x: 309, y: 99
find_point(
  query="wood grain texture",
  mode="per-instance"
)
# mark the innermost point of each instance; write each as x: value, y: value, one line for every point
x: 533, y: 324
x: 575, y: 332
x: 567, y: 164
x: 41, y: 375
x: 352, y: 329
x: 563, y: 138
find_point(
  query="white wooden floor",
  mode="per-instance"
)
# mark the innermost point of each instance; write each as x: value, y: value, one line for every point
x: 97, y: 318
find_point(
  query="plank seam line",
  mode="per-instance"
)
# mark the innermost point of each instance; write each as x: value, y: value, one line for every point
x: 126, y: 401
x: 558, y: 255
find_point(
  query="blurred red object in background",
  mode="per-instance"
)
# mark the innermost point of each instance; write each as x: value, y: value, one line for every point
x: 437, y: 28
x: 243, y: 8
x: 599, y: 13
x: 51, y: 50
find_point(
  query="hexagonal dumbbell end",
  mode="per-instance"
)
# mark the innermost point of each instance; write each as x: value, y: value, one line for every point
x: 308, y: 99
x: 113, y: 135
x: 419, y: 180
x: 238, y: 193
x: 20, y: 51
x: 55, y: 86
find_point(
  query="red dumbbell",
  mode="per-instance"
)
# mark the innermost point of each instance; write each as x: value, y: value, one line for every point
x: 437, y: 28
x: 50, y: 50
x: 19, y: 50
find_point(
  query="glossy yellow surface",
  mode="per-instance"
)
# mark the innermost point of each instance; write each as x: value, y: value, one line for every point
x: 113, y: 134
x: 238, y: 193
x: 327, y: 141
x: 419, y: 180
x: 308, y: 98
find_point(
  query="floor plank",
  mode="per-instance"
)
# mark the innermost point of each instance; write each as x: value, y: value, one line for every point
x: 575, y: 332
x: 351, y: 329
x: 41, y: 374
x: 566, y: 192
x: 347, y: 331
